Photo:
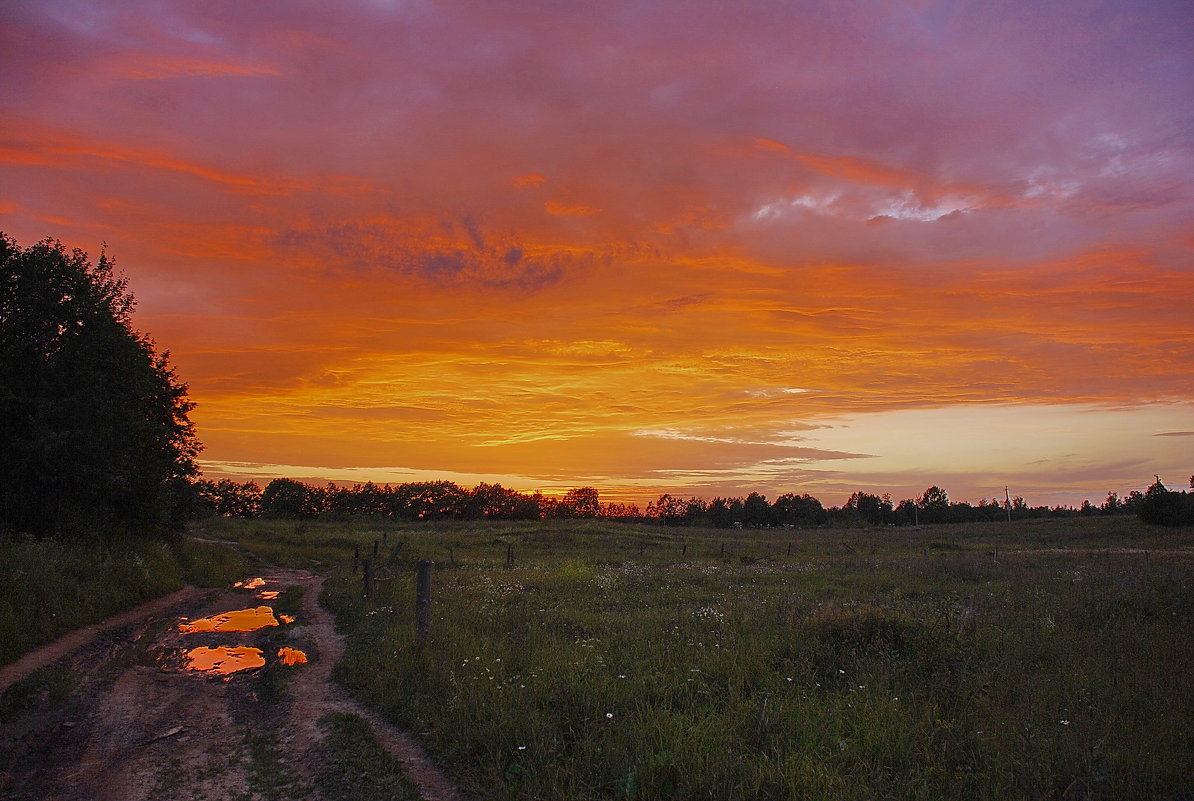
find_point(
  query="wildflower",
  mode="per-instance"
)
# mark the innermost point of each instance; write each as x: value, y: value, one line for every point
x: 609, y: 715
x: 841, y: 671
x: 621, y: 675
x: 1064, y: 722
x: 522, y: 748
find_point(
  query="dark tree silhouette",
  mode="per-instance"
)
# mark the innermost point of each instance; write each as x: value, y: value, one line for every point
x: 1162, y: 507
x: 287, y: 498
x: 581, y: 502
x: 94, y: 433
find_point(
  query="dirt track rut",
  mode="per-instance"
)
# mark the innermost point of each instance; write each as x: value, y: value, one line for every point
x: 139, y: 726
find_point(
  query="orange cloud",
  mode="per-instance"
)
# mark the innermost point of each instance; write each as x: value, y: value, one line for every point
x: 52, y: 148
x: 529, y: 179
x: 560, y: 209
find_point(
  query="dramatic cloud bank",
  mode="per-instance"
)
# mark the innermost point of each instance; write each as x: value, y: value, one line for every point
x: 694, y: 247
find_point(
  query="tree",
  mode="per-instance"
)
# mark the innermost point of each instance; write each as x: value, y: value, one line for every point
x: 230, y: 499
x: 756, y: 512
x: 95, y: 434
x: 791, y: 509
x: 934, y: 505
x: 287, y: 498
x: 581, y: 502
x: 869, y: 508
x: 1162, y: 507
x: 668, y: 510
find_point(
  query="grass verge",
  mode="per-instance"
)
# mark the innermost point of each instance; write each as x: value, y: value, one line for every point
x: 356, y: 768
x: 50, y: 587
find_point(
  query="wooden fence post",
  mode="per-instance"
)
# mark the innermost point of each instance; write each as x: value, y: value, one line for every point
x: 423, y: 600
x: 789, y: 549
x: 367, y: 578
x: 684, y: 552
x: 375, y: 544
x: 509, y: 555
x: 356, y: 559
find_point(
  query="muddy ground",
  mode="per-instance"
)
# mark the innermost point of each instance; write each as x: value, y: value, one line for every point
x: 122, y: 717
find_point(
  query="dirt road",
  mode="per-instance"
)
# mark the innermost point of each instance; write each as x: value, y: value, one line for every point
x: 122, y: 714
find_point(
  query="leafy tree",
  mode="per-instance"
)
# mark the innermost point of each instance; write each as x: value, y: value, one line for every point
x: 581, y: 502
x: 95, y: 434
x: 1112, y: 505
x: 231, y: 499
x: 1162, y: 507
x: 496, y: 502
x: 727, y: 512
x: 934, y: 505
x: 756, y: 512
x: 791, y: 509
x: 287, y: 498
x: 668, y: 510
x: 869, y: 508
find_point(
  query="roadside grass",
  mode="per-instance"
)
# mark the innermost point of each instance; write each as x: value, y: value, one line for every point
x: 50, y: 587
x: 354, y: 767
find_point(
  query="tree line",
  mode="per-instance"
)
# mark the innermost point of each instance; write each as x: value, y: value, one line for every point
x: 445, y: 500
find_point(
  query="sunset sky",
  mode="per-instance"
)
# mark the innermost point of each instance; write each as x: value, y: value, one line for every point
x: 700, y: 248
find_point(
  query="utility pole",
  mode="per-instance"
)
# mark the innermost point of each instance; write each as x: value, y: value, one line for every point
x: 1007, y: 502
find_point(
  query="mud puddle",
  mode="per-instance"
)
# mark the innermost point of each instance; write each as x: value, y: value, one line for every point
x: 223, y: 660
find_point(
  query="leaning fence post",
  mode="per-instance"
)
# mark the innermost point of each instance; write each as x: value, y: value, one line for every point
x: 367, y: 578
x: 423, y: 600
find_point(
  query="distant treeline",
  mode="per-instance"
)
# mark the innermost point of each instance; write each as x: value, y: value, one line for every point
x: 445, y: 500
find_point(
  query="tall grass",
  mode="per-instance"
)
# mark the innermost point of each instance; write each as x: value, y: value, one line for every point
x: 49, y: 587
x: 910, y: 665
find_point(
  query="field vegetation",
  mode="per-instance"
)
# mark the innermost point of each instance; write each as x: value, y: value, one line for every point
x: 596, y: 660
x: 49, y: 587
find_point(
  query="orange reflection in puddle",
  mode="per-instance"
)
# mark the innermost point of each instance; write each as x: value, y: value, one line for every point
x: 286, y: 618
x: 224, y: 659
x: 250, y: 584
x: 267, y: 595
x: 238, y: 620
x: 292, y: 656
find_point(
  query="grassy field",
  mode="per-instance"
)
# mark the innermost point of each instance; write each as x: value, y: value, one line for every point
x: 50, y: 587
x: 1042, y: 659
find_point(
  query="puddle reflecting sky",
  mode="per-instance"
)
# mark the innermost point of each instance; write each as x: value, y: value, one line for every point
x: 250, y: 584
x: 267, y: 595
x: 286, y: 618
x: 236, y: 620
x: 292, y: 656
x: 224, y: 659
